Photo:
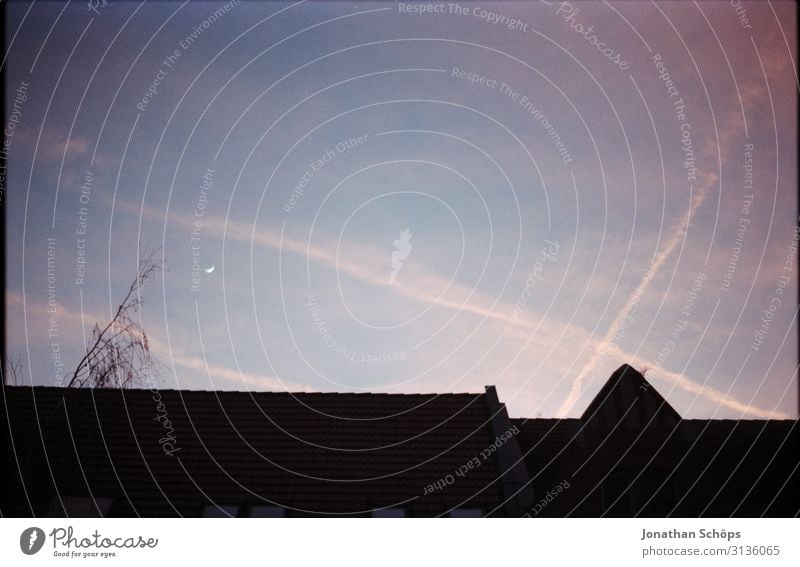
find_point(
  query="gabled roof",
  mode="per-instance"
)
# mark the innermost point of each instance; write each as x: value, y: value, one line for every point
x: 162, y: 453
x: 325, y: 453
x: 628, y: 395
x: 631, y: 453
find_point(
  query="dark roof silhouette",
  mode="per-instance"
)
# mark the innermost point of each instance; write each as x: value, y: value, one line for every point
x: 309, y: 453
x: 120, y: 453
x: 631, y: 454
x: 628, y: 393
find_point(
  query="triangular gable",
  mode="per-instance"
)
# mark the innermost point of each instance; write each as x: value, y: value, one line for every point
x: 627, y: 396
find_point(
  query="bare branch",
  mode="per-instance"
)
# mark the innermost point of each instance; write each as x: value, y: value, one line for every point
x: 13, y: 371
x: 119, y: 353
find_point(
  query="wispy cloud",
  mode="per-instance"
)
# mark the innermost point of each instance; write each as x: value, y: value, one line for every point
x: 217, y: 372
x: 423, y: 286
x: 72, y: 322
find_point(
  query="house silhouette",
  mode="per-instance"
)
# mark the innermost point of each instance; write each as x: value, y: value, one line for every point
x: 84, y: 453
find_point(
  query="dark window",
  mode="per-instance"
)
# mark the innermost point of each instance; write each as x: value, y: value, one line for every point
x: 220, y: 511
x: 655, y: 499
x: 80, y: 507
x: 397, y: 512
x: 646, y: 496
x: 466, y: 513
x: 263, y: 511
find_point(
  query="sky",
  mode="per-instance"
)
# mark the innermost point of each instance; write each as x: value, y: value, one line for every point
x: 402, y: 198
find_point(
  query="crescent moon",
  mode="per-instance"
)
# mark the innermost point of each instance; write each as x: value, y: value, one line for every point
x: 209, y: 270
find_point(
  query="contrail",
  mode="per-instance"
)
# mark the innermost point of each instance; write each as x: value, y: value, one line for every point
x: 608, y: 340
x: 415, y: 288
